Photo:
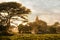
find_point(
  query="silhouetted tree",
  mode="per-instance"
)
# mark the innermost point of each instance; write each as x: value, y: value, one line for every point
x: 11, y: 9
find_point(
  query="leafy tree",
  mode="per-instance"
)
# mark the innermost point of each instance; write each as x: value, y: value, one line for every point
x: 24, y: 29
x: 52, y: 30
x: 11, y: 9
x: 34, y: 27
x: 56, y: 24
x: 38, y: 27
x: 58, y: 29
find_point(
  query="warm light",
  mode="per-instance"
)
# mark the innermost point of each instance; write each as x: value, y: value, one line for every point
x: 24, y: 23
x: 16, y: 23
x: 13, y: 24
x: 4, y: 14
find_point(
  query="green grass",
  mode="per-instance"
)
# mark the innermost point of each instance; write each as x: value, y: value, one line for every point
x: 32, y: 37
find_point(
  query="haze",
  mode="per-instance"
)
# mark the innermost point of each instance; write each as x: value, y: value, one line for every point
x: 47, y: 10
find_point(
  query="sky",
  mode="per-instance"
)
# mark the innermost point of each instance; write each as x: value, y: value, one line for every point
x: 46, y: 10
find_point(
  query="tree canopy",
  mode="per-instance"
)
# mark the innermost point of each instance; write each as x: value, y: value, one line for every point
x: 10, y: 9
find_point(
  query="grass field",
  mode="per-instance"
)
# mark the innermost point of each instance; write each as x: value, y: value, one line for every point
x: 32, y: 37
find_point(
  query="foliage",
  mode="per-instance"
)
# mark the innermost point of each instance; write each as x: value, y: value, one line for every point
x: 40, y: 27
x: 8, y: 10
x: 24, y: 29
x: 32, y: 37
x: 52, y: 30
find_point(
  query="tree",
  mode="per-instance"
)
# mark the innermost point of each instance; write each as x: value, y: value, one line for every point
x: 58, y: 30
x: 38, y: 26
x: 24, y: 29
x: 52, y: 30
x: 11, y: 9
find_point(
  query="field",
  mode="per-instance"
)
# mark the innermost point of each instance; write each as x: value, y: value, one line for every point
x: 32, y: 37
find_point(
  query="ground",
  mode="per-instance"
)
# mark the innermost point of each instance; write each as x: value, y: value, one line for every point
x: 32, y: 37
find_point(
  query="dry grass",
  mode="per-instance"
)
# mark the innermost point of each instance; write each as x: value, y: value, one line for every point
x: 32, y: 37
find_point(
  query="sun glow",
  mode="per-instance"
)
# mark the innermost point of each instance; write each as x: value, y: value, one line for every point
x: 24, y: 23
x: 15, y: 22
x: 4, y: 14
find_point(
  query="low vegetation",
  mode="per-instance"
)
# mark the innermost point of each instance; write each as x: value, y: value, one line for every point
x: 32, y: 37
